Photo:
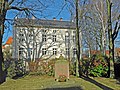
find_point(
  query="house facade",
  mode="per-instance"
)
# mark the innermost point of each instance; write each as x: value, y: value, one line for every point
x: 46, y: 39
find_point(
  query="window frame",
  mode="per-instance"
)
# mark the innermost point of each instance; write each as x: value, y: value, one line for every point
x: 54, y: 38
x: 44, y: 51
x: 44, y: 37
x: 54, y: 51
x: 67, y: 51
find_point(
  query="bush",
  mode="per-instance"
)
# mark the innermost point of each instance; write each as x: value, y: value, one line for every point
x: 42, y: 68
x: 11, y: 70
x: 85, y: 66
x: 15, y: 69
x: 72, y: 68
x: 117, y: 60
x: 99, y: 66
x: 117, y: 67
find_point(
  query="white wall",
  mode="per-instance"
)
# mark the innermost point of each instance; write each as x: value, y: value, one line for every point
x: 37, y: 51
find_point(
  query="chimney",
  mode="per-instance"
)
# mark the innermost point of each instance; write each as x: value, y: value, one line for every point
x: 33, y: 17
x: 16, y: 17
x: 61, y: 19
x: 54, y: 19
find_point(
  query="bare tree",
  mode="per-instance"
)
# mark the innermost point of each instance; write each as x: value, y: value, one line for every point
x: 112, y: 34
x: 28, y: 7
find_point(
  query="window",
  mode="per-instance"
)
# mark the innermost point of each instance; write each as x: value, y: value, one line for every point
x: 54, y: 38
x: 30, y: 35
x: 44, y: 37
x: 74, y: 38
x: 74, y: 51
x: 54, y: 31
x: 20, y: 52
x: 44, y: 51
x: 74, y: 32
x: 67, y: 52
x: 67, y: 39
x: 44, y: 31
x: 30, y: 50
x: 21, y: 34
x: 21, y: 37
x: 54, y: 51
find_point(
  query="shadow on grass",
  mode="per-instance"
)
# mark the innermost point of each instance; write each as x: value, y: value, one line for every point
x: 18, y: 76
x: 97, y: 83
x: 65, y: 88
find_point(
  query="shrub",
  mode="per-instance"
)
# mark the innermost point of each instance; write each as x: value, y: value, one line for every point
x: 11, y: 70
x: 33, y: 66
x: 62, y: 78
x: 85, y: 66
x: 72, y: 68
x: 42, y: 68
x: 117, y: 60
x: 99, y: 66
x: 19, y: 68
x: 15, y: 69
x: 117, y: 67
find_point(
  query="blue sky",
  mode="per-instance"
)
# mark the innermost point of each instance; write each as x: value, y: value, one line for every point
x: 54, y: 10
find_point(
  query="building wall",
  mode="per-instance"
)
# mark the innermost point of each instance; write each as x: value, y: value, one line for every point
x: 28, y: 42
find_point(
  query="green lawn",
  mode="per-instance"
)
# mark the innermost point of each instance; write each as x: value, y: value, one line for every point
x: 45, y: 82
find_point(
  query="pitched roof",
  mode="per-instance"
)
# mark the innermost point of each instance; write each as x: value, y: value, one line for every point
x: 9, y: 41
x: 117, y: 49
x: 98, y: 52
x: 44, y: 23
x: 95, y: 51
x: 107, y: 52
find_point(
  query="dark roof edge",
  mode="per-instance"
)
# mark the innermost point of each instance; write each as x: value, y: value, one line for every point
x: 43, y: 27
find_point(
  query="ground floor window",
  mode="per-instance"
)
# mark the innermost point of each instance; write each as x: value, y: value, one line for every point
x: 54, y: 51
x: 21, y: 53
x: 67, y: 51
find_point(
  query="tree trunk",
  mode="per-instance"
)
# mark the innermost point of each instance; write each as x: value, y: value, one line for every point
x: 111, y: 50
x: 2, y: 20
x: 1, y: 54
x: 78, y: 67
x: 78, y: 45
x: 1, y: 61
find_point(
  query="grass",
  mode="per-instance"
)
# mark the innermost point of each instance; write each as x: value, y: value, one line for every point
x: 46, y: 82
x: 110, y: 82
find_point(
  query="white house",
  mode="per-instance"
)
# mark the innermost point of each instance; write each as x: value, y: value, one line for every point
x: 37, y: 38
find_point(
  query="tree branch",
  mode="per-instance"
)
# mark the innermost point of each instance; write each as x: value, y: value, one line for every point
x: 10, y: 2
x: 19, y: 9
x: 115, y: 29
x: 116, y: 32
